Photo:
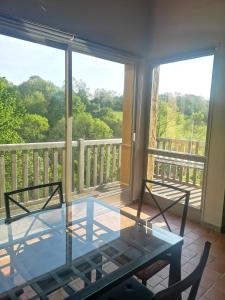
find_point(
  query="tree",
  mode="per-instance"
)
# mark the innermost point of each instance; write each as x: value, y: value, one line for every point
x: 80, y: 89
x: 104, y: 98
x: 34, y: 128
x: 113, y: 121
x: 36, y: 94
x: 36, y: 104
x: 37, y: 84
x: 87, y: 127
x: 56, y: 108
x: 10, y: 116
x: 83, y: 126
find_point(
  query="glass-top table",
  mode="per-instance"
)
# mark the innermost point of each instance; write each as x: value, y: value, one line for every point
x: 77, y: 250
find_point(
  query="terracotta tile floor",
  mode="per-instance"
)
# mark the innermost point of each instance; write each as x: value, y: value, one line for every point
x: 213, y: 281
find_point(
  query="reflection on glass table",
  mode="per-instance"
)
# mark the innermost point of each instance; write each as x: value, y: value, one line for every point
x: 79, y: 249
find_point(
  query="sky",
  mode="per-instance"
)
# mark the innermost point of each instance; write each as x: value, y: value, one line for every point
x: 192, y: 76
x: 21, y: 59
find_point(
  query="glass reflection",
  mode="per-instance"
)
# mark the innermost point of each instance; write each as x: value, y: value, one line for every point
x: 64, y: 251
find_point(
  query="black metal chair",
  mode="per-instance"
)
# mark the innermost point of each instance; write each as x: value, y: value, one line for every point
x: 151, y: 270
x: 8, y: 196
x: 132, y: 289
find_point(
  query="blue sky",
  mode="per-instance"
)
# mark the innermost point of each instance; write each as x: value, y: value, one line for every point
x: 20, y: 59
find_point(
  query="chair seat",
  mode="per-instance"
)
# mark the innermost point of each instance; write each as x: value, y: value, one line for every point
x: 130, y: 289
x: 151, y: 270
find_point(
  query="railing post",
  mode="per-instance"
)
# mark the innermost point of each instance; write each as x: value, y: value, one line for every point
x: 81, y: 165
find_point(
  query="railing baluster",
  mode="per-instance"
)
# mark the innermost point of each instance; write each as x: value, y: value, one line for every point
x: 36, y: 172
x: 162, y: 171
x: 25, y: 173
x: 81, y: 166
x: 88, y: 167
x: 95, y: 178
x: 102, y: 165
x: 14, y: 171
x: 188, y: 169
x: 55, y: 164
x: 195, y: 170
x: 119, y: 162
x: 174, y: 172
x: 114, y: 163
x: 180, y: 173
x: 156, y: 168
x: 2, y: 179
x: 107, y: 162
x: 46, y: 168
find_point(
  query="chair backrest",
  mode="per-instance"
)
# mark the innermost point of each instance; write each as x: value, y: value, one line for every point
x: 174, y: 291
x: 8, y: 196
x: 185, y: 195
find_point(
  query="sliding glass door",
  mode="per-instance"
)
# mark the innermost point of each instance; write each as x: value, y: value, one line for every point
x: 98, y: 126
x: 32, y: 120
x: 178, y: 127
x: 75, y: 128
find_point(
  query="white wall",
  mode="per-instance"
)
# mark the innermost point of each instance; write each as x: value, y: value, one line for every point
x: 118, y: 23
x: 180, y: 26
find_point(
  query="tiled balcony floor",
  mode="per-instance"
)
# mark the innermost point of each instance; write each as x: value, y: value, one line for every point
x: 195, y: 196
x: 213, y: 282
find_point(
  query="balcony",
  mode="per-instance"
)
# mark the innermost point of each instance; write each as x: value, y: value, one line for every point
x: 97, y: 167
x: 180, y: 163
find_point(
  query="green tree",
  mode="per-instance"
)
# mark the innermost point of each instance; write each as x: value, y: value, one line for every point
x: 113, y: 121
x: 35, y: 103
x: 10, y: 116
x: 80, y: 89
x: 87, y: 127
x: 56, y: 107
x: 34, y: 128
x: 84, y: 126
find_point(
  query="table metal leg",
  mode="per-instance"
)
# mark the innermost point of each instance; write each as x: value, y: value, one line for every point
x: 175, y: 265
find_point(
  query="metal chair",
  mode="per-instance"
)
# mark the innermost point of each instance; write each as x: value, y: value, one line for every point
x: 132, y: 289
x: 8, y: 196
x: 151, y: 270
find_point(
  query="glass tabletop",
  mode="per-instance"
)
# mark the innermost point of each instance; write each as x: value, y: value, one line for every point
x: 77, y: 250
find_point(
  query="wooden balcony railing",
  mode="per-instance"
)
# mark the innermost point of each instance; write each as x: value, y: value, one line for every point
x: 22, y: 165
x: 179, y: 161
x: 95, y: 162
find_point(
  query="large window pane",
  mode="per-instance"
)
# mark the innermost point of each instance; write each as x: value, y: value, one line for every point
x: 32, y: 115
x: 179, y: 119
x: 97, y: 115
